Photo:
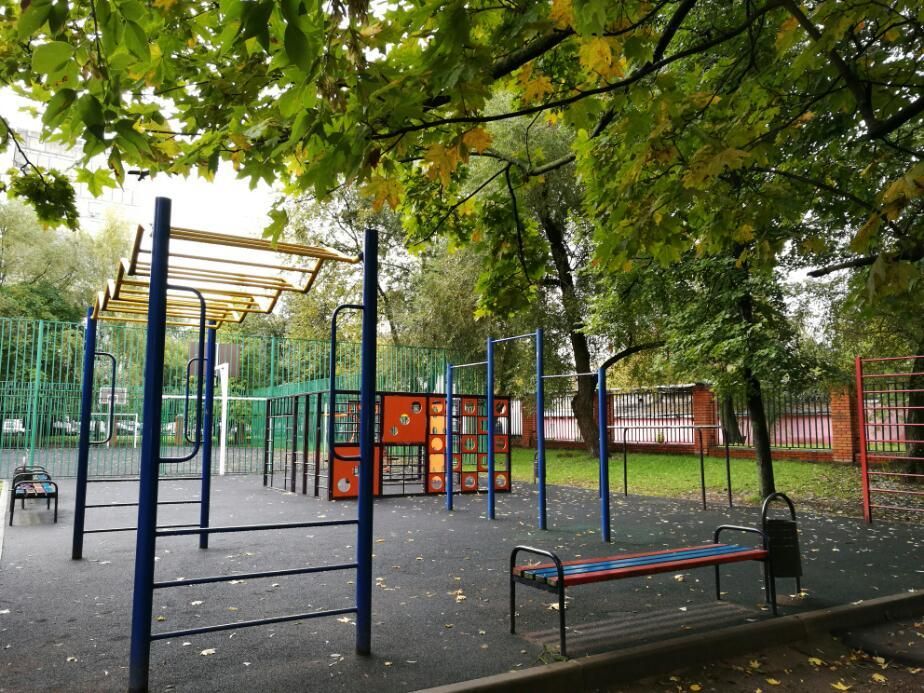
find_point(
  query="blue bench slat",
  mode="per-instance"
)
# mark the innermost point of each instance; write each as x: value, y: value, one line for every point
x: 592, y: 567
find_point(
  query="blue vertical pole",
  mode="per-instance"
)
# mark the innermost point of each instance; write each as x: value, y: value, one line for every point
x: 540, y: 430
x: 205, y: 495
x: 489, y: 404
x: 140, y: 653
x: 604, y: 455
x: 83, y: 444
x: 448, y: 451
x: 367, y: 382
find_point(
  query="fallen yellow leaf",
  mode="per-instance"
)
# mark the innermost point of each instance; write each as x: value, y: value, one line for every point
x: 754, y: 664
x: 879, y: 678
x: 773, y: 682
x: 695, y: 687
x: 840, y: 686
x: 815, y: 662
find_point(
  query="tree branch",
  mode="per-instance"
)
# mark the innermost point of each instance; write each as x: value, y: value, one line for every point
x: 619, y: 356
x: 518, y: 224
x: 908, y: 255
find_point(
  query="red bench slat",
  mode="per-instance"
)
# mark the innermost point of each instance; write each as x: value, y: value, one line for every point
x: 518, y: 570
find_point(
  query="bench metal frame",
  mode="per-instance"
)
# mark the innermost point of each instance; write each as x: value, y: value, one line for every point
x: 560, y: 584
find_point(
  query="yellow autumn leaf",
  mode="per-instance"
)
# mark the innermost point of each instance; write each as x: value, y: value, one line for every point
x: 878, y: 678
x: 786, y: 36
x: 536, y: 89
x: 815, y: 662
x: 164, y: 4
x: 442, y: 162
x: 562, y: 14
x: 841, y: 686
x: 597, y: 57
x: 744, y: 233
x: 695, y: 687
x: 477, y: 139
x: 773, y: 682
x: 754, y: 664
x: 383, y: 189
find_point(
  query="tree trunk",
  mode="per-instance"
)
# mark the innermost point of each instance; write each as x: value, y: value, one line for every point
x: 914, y: 431
x: 760, y: 432
x: 582, y: 404
x: 729, y: 419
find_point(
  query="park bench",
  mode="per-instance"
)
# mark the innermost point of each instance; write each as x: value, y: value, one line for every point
x: 778, y: 551
x: 32, y: 483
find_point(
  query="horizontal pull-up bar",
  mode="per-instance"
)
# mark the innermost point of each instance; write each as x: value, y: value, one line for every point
x: 135, y: 504
x: 569, y: 375
x: 256, y: 528
x: 248, y: 624
x: 135, y: 529
x: 661, y: 428
x: 530, y: 335
x: 182, y: 582
x: 467, y: 365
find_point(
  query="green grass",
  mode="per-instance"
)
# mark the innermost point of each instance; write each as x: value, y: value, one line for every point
x: 833, y: 486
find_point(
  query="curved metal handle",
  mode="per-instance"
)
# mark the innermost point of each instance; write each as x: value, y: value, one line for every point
x: 765, y: 507
x: 332, y: 388
x: 737, y: 528
x: 112, y: 389
x: 197, y: 443
x: 186, y: 405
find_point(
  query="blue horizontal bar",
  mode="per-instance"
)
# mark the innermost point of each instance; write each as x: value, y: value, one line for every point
x: 531, y: 335
x: 466, y: 365
x: 118, y: 480
x: 134, y: 529
x: 255, y: 528
x: 135, y: 504
x: 253, y: 576
x: 591, y: 567
x: 250, y: 624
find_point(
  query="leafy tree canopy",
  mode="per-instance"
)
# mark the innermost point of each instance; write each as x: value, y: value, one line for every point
x: 767, y: 126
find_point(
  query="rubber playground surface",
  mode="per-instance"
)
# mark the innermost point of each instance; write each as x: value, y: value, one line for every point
x: 439, y: 602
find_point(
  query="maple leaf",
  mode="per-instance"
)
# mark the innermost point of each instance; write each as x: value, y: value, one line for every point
x: 879, y: 678
x: 562, y: 14
x: 382, y: 189
x: 477, y: 139
x: 841, y: 686
x: 536, y: 89
x: 442, y: 162
x: 165, y: 5
x: 597, y: 57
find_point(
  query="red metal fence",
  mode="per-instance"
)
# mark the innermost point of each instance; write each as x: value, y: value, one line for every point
x: 890, y: 405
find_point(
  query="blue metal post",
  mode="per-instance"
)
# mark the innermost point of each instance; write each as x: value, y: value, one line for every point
x: 83, y: 444
x: 604, y: 455
x: 448, y: 452
x: 140, y: 654
x: 205, y: 496
x: 489, y: 404
x: 540, y: 430
x: 367, y: 381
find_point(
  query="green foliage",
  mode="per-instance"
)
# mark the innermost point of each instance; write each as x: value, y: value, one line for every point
x: 50, y: 193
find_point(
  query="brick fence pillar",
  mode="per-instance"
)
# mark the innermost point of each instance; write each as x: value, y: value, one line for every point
x: 704, y: 415
x: 845, y: 425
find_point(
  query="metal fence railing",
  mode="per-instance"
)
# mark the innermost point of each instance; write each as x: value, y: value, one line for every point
x: 40, y: 373
x: 653, y: 416
x: 797, y: 421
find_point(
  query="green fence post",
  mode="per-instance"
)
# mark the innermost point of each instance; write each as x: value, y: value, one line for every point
x: 36, y: 381
x: 272, y: 373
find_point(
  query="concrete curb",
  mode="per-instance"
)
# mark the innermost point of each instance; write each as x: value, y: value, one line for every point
x: 598, y: 672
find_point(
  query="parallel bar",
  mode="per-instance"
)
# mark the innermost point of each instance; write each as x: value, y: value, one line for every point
x: 890, y: 375
x: 143, y: 600
x: 604, y: 456
x: 898, y: 507
x: 83, y: 445
x: 253, y: 576
x: 891, y: 358
x: 903, y: 474
x: 468, y: 365
x: 540, y: 430
x: 568, y: 375
x: 367, y: 379
x: 108, y: 530
x: 230, y: 529
x: 873, y: 489
x: 249, y: 624
x: 100, y: 480
x: 510, y: 339
x: 134, y: 504
x: 489, y: 404
x: 208, y: 415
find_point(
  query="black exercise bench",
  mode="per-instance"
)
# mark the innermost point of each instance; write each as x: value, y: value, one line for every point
x: 32, y: 483
x: 778, y: 551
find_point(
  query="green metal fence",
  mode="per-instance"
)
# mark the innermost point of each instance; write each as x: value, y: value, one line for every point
x: 40, y: 371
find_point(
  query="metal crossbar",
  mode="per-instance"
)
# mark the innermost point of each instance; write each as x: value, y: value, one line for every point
x: 249, y: 624
x: 253, y: 576
x: 257, y: 528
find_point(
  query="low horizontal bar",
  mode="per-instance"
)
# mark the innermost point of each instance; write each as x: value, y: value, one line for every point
x: 135, y: 529
x: 135, y: 504
x: 662, y: 428
x: 891, y: 358
x: 891, y: 457
x: 257, y: 528
x: 119, y: 480
x: 250, y: 624
x: 896, y: 491
x: 888, y: 392
x: 253, y: 576
x: 897, y: 507
x: 468, y: 365
x: 896, y: 425
x: 531, y: 335
x: 874, y: 408
x: 909, y: 475
x: 568, y: 375
x: 890, y: 375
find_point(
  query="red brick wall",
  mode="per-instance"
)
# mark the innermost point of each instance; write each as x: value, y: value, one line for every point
x: 845, y: 432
